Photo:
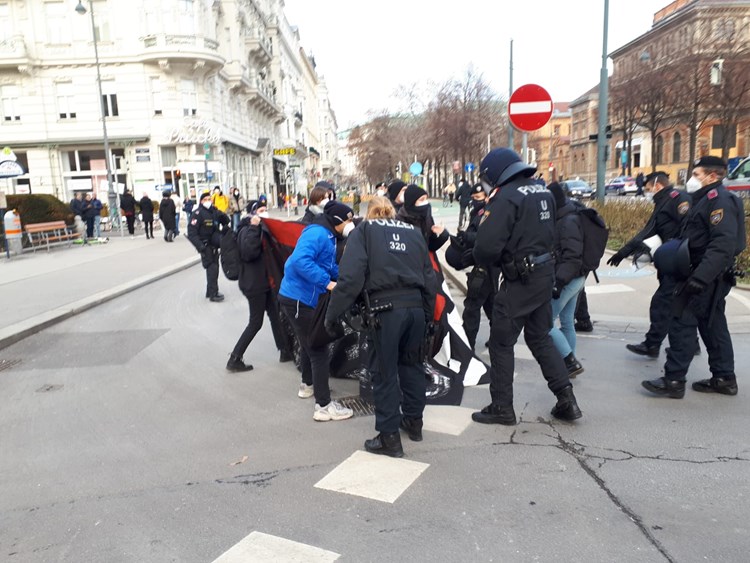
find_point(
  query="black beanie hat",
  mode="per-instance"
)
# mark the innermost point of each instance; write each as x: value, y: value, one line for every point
x: 252, y: 206
x: 394, y: 188
x: 558, y: 192
x: 412, y: 194
x: 338, y: 212
x: 204, y: 195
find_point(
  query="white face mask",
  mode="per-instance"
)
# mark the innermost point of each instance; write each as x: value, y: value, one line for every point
x: 348, y: 228
x: 206, y: 203
x: 323, y: 202
x: 380, y: 193
x: 693, y: 185
x: 421, y: 203
x: 263, y: 214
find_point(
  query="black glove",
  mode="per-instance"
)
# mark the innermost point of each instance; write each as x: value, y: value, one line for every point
x: 694, y: 286
x: 618, y: 257
x: 557, y: 289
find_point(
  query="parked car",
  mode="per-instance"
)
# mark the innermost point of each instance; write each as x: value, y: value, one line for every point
x: 577, y: 189
x: 621, y: 185
x: 738, y: 180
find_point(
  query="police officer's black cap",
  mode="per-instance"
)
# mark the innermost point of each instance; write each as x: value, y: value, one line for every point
x: 477, y: 189
x: 204, y: 195
x: 380, y: 185
x: 654, y: 175
x: 394, y: 188
x: 713, y: 161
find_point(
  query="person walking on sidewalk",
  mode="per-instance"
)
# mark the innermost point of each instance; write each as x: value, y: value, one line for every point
x: 671, y: 208
x: 127, y: 206
x: 463, y: 195
x: 97, y: 205
x: 236, y: 205
x: 253, y: 282
x: 147, y: 215
x: 204, y: 232
x: 167, y: 215
x: 177, y: 200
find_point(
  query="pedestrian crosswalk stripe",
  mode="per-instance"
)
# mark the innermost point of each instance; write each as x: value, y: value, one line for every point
x: 264, y: 548
x: 610, y: 288
x: 446, y: 419
x: 373, y: 476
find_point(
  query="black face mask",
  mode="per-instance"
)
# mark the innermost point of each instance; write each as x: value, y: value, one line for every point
x: 477, y: 204
x: 422, y: 210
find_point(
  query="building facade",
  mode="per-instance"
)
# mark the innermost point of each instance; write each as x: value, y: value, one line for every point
x: 584, y: 115
x: 196, y: 93
x: 551, y: 143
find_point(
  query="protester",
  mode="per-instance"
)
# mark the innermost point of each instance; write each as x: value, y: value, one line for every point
x: 318, y: 200
x: 177, y: 200
x: 396, y: 194
x: 127, y: 206
x: 639, y: 184
x: 417, y: 211
x: 309, y: 273
x: 518, y: 232
x: 398, y: 277
x: 381, y: 190
x: 187, y: 207
x: 236, y: 205
x: 204, y: 232
x: 147, y: 215
x: 219, y: 200
x: 167, y: 215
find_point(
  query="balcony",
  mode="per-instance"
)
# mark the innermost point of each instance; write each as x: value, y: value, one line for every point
x: 263, y: 97
x: 259, y: 48
x: 166, y: 48
x: 298, y: 118
x: 13, y: 53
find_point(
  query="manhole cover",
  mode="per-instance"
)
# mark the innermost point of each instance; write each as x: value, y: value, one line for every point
x: 7, y: 364
x: 358, y: 405
x: 49, y: 387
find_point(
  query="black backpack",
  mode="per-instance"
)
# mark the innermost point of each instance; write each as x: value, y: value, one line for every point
x: 595, y: 235
x: 230, y: 255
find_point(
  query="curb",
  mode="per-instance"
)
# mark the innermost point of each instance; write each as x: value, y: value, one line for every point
x: 18, y: 331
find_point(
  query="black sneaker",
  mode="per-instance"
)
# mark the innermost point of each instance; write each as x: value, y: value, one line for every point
x: 643, y: 349
x: 236, y: 364
x: 574, y: 366
x: 493, y: 414
x: 388, y: 443
x: 217, y: 298
x: 567, y: 406
x: 584, y: 326
x: 665, y: 387
x: 716, y: 385
x: 413, y: 427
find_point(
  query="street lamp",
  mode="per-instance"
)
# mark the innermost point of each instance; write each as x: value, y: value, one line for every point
x: 81, y: 9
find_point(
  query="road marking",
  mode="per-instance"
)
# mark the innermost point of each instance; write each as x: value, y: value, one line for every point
x: 446, y: 419
x: 373, y: 476
x: 611, y: 288
x: 530, y: 107
x: 741, y: 298
x: 264, y: 548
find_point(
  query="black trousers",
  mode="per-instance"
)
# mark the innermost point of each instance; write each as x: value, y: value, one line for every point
x: 90, y: 227
x: 706, y: 313
x: 582, y: 307
x: 461, y: 213
x: 660, y: 311
x: 130, y: 219
x: 478, y: 297
x: 210, y: 261
x: 313, y: 361
x: 260, y: 304
x: 535, y: 320
x: 149, y: 225
x: 398, y: 378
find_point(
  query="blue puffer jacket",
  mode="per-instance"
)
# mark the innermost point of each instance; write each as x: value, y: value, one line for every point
x: 311, y: 266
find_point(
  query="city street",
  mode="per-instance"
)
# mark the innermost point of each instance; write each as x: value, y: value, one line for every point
x: 125, y: 440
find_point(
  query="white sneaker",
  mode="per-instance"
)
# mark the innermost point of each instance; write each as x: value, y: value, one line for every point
x: 332, y: 411
x: 305, y: 391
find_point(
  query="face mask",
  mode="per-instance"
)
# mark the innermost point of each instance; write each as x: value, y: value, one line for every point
x: 400, y: 198
x: 693, y: 185
x: 421, y: 203
x: 380, y: 193
x: 263, y: 214
x: 348, y: 228
x: 477, y: 203
x: 206, y: 203
x: 323, y: 202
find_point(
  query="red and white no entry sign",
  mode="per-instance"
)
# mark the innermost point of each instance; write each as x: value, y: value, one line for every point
x: 530, y: 107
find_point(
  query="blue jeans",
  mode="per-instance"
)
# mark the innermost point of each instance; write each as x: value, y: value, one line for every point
x: 176, y: 223
x: 98, y: 226
x: 564, y: 308
x: 235, y: 221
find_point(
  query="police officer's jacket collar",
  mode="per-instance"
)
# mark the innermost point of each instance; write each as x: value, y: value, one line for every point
x: 700, y: 194
x: 662, y: 194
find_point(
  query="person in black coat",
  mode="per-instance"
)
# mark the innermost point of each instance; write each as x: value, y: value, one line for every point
x: 147, y: 215
x: 463, y: 195
x: 396, y: 194
x: 87, y: 215
x: 319, y: 197
x: 127, y: 206
x: 253, y: 282
x: 167, y: 215
x: 417, y: 211
x: 204, y: 232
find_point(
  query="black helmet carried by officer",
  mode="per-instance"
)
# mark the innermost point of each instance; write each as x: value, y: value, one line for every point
x: 502, y: 165
x: 673, y: 258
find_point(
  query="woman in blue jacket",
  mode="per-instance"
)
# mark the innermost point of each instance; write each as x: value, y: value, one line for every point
x: 309, y: 272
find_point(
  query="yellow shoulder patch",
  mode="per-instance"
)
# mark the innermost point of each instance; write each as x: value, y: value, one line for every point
x: 716, y: 216
x: 683, y: 208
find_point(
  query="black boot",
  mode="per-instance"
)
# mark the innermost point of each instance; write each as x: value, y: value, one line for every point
x: 566, y: 407
x: 388, y: 443
x: 413, y: 427
x: 719, y: 385
x: 644, y: 349
x: 235, y: 363
x: 583, y: 326
x: 667, y: 387
x: 573, y: 365
x: 495, y: 414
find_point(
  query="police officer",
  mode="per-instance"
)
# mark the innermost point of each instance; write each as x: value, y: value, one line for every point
x: 481, y: 282
x: 388, y: 260
x: 204, y: 231
x: 518, y: 233
x: 463, y: 195
x: 715, y: 231
x: 671, y: 207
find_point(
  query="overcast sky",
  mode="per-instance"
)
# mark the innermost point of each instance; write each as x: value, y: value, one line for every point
x: 365, y: 49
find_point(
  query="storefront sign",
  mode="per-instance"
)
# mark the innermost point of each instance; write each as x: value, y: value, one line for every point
x: 195, y: 132
x: 10, y: 169
x: 143, y: 155
x: 288, y: 151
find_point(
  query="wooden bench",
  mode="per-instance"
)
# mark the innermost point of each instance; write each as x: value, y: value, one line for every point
x: 49, y: 234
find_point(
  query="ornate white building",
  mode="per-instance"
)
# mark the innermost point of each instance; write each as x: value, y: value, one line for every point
x: 197, y: 93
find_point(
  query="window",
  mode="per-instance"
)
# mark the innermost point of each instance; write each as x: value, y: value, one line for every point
x: 718, y: 133
x: 557, y: 131
x: 189, y: 97
x: 156, y: 94
x: 56, y: 18
x: 101, y: 21
x: 659, y: 157
x: 724, y: 29
x: 9, y: 101
x: 168, y: 156
x: 186, y: 17
x: 65, y: 101
x: 109, y: 99
x: 676, y: 147
x: 6, y: 25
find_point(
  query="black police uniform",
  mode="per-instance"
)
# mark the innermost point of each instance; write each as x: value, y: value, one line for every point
x: 715, y: 229
x: 388, y: 259
x: 518, y: 232
x: 671, y: 207
x: 463, y: 195
x: 204, y: 231
x: 481, y: 282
